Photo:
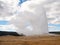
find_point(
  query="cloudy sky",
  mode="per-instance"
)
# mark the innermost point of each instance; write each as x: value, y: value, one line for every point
x: 53, y: 15
x: 52, y: 12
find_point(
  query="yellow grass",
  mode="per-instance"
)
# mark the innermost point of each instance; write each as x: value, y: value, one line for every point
x: 30, y: 40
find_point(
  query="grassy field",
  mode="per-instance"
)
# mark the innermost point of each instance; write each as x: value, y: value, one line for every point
x: 30, y: 40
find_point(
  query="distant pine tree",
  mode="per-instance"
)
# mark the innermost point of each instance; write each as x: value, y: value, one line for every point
x: 4, y: 33
x: 54, y: 32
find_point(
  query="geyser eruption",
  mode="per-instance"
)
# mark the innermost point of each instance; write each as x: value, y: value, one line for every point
x: 31, y: 19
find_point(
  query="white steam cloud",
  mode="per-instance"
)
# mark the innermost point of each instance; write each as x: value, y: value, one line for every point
x: 31, y: 19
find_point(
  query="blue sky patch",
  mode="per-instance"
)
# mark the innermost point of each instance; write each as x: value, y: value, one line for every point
x: 3, y: 22
x: 22, y: 1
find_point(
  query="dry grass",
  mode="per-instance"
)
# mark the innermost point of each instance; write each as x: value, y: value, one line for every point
x: 30, y: 40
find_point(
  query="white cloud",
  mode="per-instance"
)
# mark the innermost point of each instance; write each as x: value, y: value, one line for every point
x: 51, y: 26
x: 10, y: 28
x: 53, y: 12
x: 54, y: 30
x: 8, y: 7
x: 8, y: 18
